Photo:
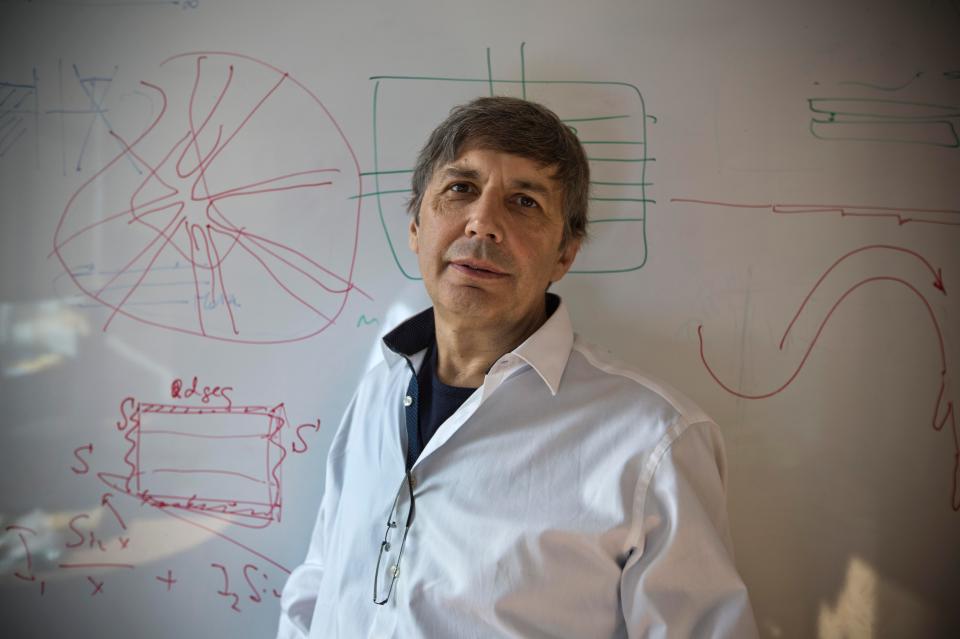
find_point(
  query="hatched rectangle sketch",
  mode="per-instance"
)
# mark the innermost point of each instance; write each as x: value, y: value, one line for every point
x: 223, y: 462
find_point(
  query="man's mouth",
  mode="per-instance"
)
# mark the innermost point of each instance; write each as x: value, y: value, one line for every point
x: 477, y: 269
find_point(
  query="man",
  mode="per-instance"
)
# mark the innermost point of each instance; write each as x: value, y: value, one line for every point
x: 495, y: 476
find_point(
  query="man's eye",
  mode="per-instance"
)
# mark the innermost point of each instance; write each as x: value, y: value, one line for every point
x: 527, y: 202
x: 460, y: 187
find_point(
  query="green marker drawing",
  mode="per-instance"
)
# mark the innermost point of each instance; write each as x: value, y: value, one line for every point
x: 622, y: 190
x: 884, y: 120
x: 880, y: 87
x: 367, y: 322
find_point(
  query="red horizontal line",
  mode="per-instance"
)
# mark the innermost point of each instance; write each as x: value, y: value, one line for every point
x: 152, y: 431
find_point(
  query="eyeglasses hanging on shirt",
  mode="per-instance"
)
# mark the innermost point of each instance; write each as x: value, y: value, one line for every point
x: 392, y: 563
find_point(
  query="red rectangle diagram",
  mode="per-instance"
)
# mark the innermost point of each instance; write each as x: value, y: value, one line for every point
x: 220, y: 461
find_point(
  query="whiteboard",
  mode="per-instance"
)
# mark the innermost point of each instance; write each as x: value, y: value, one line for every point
x: 203, y: 238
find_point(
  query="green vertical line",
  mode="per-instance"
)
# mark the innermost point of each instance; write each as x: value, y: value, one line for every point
x: 376, y: 183
x: 523, y: 71
x: 489, y: 73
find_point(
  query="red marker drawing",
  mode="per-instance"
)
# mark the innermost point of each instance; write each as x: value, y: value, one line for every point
x: 949, y: 218
x: 76, y: 453
x: 105, y: 501
x: 235, y: 237
x: 943, y: 410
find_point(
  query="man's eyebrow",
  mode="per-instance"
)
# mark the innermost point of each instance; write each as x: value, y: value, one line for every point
x: 460, y: 172
x: 464, y: 173
x: 534, y: 187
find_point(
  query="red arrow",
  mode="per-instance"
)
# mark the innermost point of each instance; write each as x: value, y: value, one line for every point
x: 937, y: 276
x: 946, y: 407
x: 105, y: 501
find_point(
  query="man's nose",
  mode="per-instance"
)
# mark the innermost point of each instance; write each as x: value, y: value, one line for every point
x: 487, y: 217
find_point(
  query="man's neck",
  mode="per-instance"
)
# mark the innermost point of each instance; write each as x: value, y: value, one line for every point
x: 466, y: 351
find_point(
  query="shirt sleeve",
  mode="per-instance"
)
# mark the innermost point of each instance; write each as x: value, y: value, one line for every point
x: 680, y: 580
x: 299, y: 597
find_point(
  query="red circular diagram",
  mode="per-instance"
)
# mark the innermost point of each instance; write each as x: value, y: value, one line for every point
x: 233, y: 216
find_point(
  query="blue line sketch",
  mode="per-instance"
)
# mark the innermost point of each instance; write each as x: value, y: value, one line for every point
x: 95, y: 89
x: 18, y: 112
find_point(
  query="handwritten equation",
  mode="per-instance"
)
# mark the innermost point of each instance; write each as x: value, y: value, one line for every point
x: 206, y: 463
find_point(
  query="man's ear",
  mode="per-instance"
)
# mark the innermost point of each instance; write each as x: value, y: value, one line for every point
x: 565, y: 259
x: 413, y: 239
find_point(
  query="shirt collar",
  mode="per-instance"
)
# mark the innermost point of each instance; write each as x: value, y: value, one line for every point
x: 546, y: 351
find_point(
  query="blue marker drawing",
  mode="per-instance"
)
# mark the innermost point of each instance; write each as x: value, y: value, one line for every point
x: 18, y: 106
x: 96, y: 89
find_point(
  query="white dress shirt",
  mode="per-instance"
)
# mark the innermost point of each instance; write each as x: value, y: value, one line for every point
x: 569, y: 496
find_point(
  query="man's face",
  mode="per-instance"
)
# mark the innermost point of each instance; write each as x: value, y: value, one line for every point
x: 489, y: 235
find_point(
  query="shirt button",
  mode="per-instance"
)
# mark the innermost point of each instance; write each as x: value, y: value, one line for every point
x: 413, y: 481
x: 407, y: 400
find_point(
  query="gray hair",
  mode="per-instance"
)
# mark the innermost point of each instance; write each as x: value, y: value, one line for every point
x: 515, y: 126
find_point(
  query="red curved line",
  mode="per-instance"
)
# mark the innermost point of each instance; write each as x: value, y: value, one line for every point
x: 185, y: 331
x: 121, y: 271
x: 228, y: 538
x: 356, y: 167
x: 956, y: 455
x: 142, y: 277
x: 191, y: 240
x: 256, y: 239
x: 236, y: 131
x: 183, y: 433
x: 165, y: 509
x: 732, y: 205
x: 160, y: 233
x: 134, y: 468
x: 235, y: 190
x: 179, y: 205
x: 194, y: 131
x: 186, y: 257
x: 154, y: 170
x: 230, y: 227
x: 276, y: 189
x: 63, y: 217
x: 206, y: 471
x: 153, y: 173
x: 842, y: 258
x: 343, y: 137
x: 202, y: 162
x: 813, y: 342
x: 232, y: 518
x: 110, y: 218
x: 223, y: 286
x: 281, y: 284
x: 938, y: 424
x: 210, y: 260
x: 814, y: 207
x: 275, y: 471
